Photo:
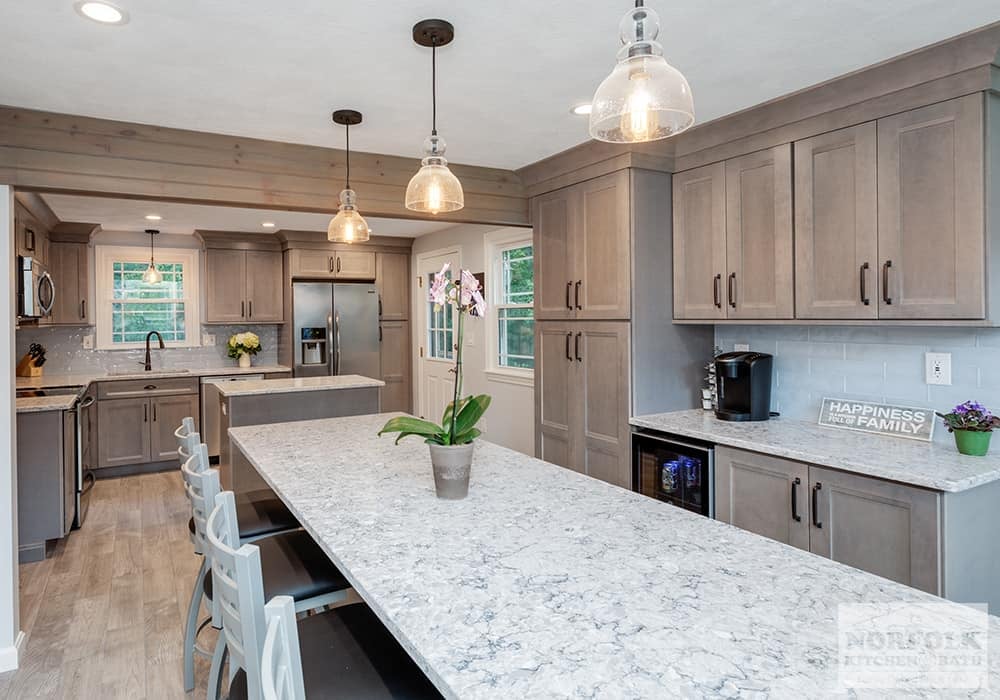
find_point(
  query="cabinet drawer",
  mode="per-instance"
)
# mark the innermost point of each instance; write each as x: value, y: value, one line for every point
x: 146, y: 387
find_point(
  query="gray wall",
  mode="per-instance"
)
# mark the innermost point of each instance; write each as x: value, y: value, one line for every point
x: 66, y: 354
x: 872, y: 363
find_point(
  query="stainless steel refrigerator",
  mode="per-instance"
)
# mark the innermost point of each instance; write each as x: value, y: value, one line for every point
x: 335, y: 329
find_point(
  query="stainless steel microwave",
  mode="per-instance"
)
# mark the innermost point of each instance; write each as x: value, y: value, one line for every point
x: 36, y: 292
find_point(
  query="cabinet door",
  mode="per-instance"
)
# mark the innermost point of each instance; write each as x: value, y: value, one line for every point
x: 396, y: 359
x: 166, y: 414
x: 552, y: 218
x: 555, y: 414
x: 312, y: 264
x: 759, y: 235
x: 601, y: 242
x: 264, y: 286
x: 887, y: 529
x: 604, y: 438
x: 392, y: 277
x: 836, y: 225
x: 68, y: 266
x: 931, y: 229
x: 225, y: 285
x: 123, y: 436
x: 354, y: 265
x: 700, y: 242
x: 765, y: 495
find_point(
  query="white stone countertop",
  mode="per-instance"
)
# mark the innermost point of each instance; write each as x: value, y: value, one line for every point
x: 82, y: 379
x: 297, y: 384
x: 547, y: 583
x: 932, y: 466
x: 37, y: 404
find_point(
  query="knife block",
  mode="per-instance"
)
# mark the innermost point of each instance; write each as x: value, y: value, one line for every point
x: 26, y: 368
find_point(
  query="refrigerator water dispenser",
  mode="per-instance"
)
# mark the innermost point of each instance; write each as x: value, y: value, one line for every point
x: 313, y: 346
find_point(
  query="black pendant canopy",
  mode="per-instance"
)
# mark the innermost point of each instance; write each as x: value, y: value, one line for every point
x: 433, y: 32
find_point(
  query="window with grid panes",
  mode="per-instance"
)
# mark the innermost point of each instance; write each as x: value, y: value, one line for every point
x: 514, y: 300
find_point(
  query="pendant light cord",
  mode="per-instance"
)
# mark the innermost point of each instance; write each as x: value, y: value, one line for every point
x: 151, y: 249
x: 348, y: 128
x: 434, y: 101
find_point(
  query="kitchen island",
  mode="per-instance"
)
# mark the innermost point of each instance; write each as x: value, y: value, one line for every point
x: 548, y: 583
x: 281, y: 400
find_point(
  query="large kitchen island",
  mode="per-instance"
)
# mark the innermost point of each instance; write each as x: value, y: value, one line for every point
x: 548, y: 583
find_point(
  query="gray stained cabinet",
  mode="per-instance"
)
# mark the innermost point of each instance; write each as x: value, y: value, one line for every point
x: 123, y: 432
x: 243, y: 286
x: 69, y: 267
x: 733, y: 254
x: 394, y: 350
x: 332, y: 264
x: 885, y: 528
x: 582, y: 375
x: 392, y: 278
x: 836, y: 225
x: 583, y: 250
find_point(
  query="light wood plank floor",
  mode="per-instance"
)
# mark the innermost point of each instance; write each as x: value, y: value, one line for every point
x: 105, y: 614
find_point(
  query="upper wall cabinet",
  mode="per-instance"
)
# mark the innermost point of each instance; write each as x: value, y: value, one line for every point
x: 69, y: 266
x: 243, y: 286
x: 931, y: 209
x: 331, y: 264
x: 582, y: 250
x: 733, y: 238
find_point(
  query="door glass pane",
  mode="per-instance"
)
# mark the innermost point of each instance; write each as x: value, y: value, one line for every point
x: 440, y: 321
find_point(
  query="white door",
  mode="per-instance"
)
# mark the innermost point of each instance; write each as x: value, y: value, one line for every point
x: 436, y: 338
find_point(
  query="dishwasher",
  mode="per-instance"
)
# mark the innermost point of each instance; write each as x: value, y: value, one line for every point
x: 210, y: 413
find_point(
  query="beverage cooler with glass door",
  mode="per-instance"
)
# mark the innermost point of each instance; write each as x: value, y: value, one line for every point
x: 679, y: 471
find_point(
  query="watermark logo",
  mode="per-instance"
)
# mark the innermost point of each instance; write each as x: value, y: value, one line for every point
x: 913, y: 646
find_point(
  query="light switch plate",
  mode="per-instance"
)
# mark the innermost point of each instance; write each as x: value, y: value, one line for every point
x: 742, y: 347
x: 207, y: 339
x: 938, y: 368
x: 88, y: 342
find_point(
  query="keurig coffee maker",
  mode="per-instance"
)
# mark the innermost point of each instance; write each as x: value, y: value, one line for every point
x: 744, y: 386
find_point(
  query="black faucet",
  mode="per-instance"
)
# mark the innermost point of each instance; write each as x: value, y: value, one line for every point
x: 149, y: 365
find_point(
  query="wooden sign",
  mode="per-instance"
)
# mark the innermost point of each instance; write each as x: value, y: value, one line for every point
x: 882, y: 419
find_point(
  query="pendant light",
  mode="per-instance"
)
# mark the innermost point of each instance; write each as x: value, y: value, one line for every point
x: 152, y: 275
x: 644, y: 98
x: 434, y: 189
x: 348, y: 226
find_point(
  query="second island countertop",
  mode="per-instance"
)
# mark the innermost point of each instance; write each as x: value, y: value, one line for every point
x: 297, y: 384
x: 928, y: 465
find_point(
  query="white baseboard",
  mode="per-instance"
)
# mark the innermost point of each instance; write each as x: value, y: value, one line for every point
x: 10, y: 657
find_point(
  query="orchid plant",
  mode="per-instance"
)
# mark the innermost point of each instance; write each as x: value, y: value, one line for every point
x: 458, y: 424
x: 972, y: 416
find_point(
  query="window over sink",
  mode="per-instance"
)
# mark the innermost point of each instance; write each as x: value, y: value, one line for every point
x: 129, y: 308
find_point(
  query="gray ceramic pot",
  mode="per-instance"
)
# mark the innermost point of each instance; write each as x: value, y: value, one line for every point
x: 452, y: 464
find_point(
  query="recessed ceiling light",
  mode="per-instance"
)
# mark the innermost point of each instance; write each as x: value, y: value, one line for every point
x: 267, y: 224
x: 153, y: 217
x: 582, y: 110
x: 99, y: 11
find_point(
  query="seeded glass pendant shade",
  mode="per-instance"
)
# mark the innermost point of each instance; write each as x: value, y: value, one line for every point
x: 434, y: 189
x: 644, y: 98
x: 348, y: 226
x: 152, y: 275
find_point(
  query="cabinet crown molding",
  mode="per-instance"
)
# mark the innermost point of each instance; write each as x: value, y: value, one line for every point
x: 238, y: 240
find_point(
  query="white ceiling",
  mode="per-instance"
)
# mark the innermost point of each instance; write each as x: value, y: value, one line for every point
x: 129, y: 215
x: 275, y: 70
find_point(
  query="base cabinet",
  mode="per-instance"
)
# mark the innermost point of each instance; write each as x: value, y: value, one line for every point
x: 888, y: 529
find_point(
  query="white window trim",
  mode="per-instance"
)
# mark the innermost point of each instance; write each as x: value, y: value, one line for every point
x: 496, y: 242
x: 106, y: 255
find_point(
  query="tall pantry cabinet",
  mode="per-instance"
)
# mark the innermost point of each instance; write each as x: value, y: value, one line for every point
x: 605, y: 347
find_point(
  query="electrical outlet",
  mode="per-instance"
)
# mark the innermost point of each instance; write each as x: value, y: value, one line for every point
x: 88, y: 342
x: 207, y: 339
x: 938, y: 368
x: 742, y: 347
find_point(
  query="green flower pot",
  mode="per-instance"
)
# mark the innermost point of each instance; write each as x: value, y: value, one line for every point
x: 973, y: 442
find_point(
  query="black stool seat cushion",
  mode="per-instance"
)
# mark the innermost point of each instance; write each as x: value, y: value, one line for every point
x: 260, y: 513
x: 347, y: 653
x: 293, y: 564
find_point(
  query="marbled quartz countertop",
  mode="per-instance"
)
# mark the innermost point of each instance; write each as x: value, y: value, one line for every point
x: 37, y: 404
x: 298, y: 384
x: 547, y: 583
x: 932, y: 466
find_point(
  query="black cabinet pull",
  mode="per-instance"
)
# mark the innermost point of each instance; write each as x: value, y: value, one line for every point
x: 795, y: 500
x: 569, y: 288
x: 250, y: 309
x: 576, y: 348
x: 380, y: 305
x: 864, y: 285
x: 568, y: 356
x: 815, y: 508
x: 885, y: 282
x: 154, y: 412
x: 330, y: 262
x: 145, y: 413
x: 731, y: 289
x: 242, y: 309
x: 149, y: 387
x: 338, y: 263
x: 380, y: 333
x: 717, y: 291
x: 83, y: 309
x: 577, y: 293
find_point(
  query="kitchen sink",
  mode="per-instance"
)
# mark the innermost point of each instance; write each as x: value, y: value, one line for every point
x: 143, y: 373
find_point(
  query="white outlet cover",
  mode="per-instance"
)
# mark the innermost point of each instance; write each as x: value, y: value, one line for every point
x: 88, y: 342
x: 937, y: 368
x: 207, y: 339
x: 742, y: 347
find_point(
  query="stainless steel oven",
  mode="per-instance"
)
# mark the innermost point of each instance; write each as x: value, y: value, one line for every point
x: 680, y: 471
x: 36, y: 292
